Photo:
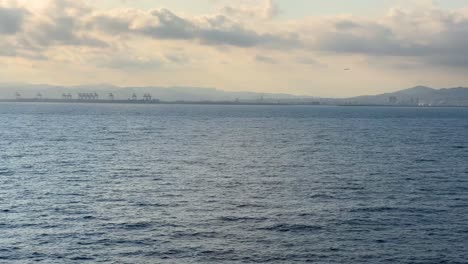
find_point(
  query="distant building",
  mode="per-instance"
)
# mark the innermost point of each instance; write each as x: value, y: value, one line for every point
x: 414, y: 101
x: 393, y: 100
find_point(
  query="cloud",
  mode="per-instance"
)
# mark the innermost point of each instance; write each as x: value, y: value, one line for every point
x: 30, y: 33
x: 268, y: 10
x: 265, y: 59
x: 309, y: 61
x: 11, y: 20
x: 7, y: 50
x: 428, y: 34
x: 214, y: 30
x: 432, y: 35
x: 177, y: 58
x: 127, y: 63
x: 61, y: 23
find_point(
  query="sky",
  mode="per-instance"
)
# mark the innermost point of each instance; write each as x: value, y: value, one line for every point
x: 277, y: 46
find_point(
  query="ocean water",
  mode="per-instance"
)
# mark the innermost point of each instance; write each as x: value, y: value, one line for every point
x: 232, y: 184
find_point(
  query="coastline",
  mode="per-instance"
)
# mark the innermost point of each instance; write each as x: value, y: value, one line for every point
x: 159, y: 102
x: 150, y: 102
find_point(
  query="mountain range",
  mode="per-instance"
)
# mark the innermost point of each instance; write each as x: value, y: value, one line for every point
x: 419, y: 95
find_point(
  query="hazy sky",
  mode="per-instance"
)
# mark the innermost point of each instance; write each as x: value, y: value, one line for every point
x: 289, y: 46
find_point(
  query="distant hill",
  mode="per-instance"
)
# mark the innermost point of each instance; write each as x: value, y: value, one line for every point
x: 419, y: 95
x: 8, y: 91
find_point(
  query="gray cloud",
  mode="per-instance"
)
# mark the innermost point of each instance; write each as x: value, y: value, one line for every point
x: 109, y: 24
x: 59, y: 24
x: 11, y: 20
x: 347, y: 36
x: 216, y: 30
x: 346, y: 24
x: 177, y: 58
x: 433, y: 36
x: 7, y: 50
x: 382, y: 44
x: 265, y: 59
x: 170, y: 26
x: 63, y: 31
x: 63, y: 24
x: 242, y: 37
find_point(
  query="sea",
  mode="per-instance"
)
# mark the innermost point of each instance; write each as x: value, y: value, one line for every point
x: 111, y: 183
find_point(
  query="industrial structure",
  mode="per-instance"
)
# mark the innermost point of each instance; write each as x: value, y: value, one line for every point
x: 66, y: 96
x: 147, y: 97
x: 88, y: 97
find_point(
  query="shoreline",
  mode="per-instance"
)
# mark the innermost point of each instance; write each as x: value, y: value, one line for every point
x: 158, y: 102
x: 149, y: 102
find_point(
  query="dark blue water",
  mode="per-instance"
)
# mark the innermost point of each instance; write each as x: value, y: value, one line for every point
x: 232, y: 184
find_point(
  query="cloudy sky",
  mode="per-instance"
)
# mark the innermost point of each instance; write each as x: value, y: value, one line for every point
x: 288, y: 46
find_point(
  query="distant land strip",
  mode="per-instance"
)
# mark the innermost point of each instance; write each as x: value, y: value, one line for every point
x: 419, y: 96
x: 130, y: 101
x: 180, y: 102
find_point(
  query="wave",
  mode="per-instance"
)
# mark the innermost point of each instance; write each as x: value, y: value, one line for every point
x: 283, y: 227
x: 240, y: 219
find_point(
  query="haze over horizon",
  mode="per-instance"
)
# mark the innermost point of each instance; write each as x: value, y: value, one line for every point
x: 295, y: 47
